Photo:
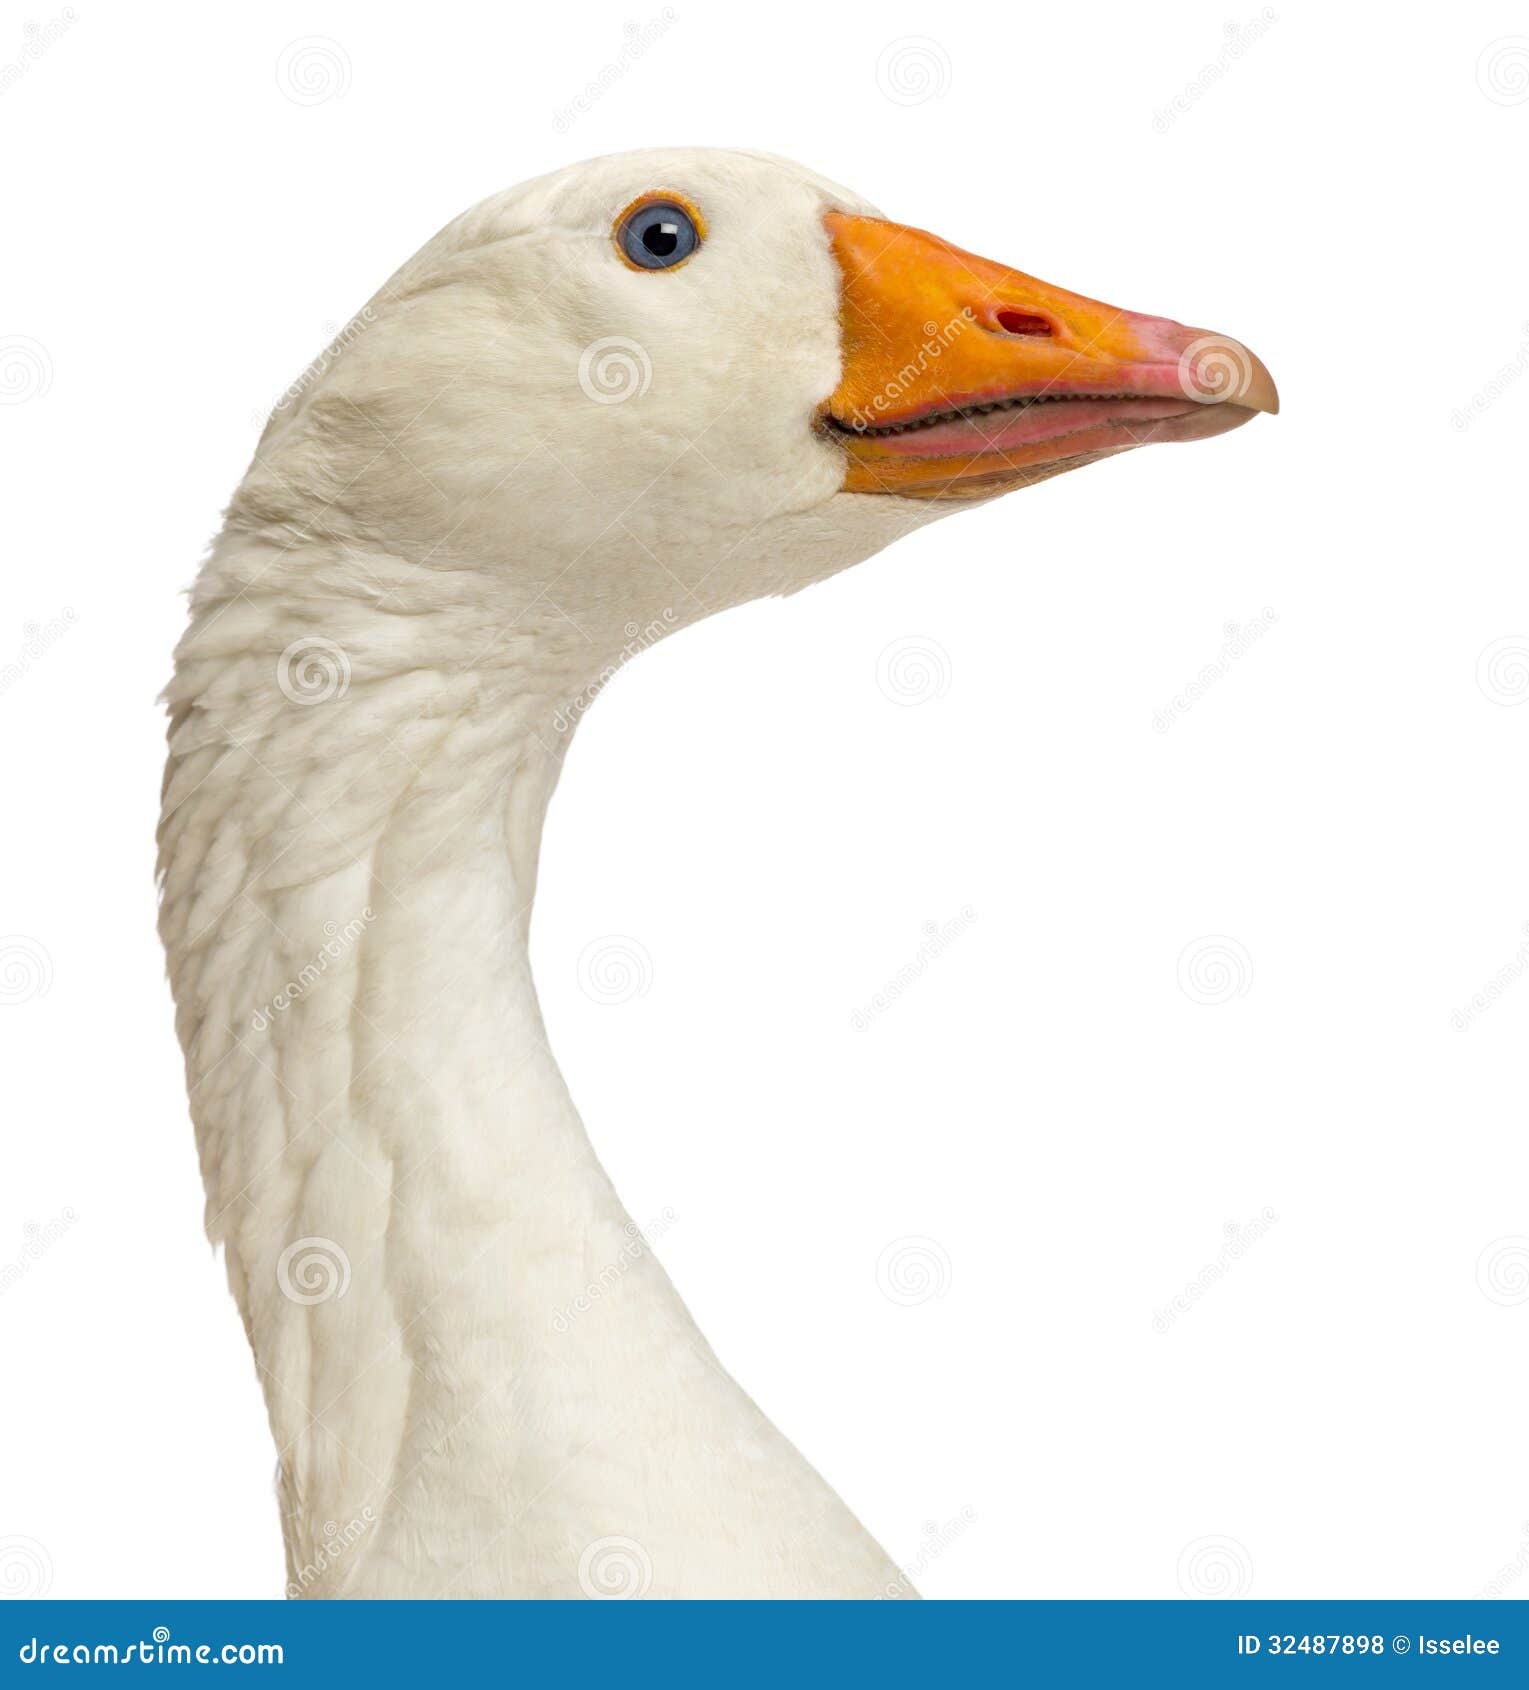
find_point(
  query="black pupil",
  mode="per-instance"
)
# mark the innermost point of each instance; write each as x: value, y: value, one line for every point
x: 659, y: 235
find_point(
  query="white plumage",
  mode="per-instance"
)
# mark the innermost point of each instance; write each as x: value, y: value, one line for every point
x: 441, y: 543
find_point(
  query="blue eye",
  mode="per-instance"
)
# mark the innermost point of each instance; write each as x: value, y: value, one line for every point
x: 657, y: 234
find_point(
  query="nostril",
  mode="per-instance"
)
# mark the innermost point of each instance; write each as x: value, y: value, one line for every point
x: 1023, y: 322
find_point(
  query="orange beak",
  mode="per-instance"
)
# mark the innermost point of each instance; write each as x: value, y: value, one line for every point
x: 963, y: 379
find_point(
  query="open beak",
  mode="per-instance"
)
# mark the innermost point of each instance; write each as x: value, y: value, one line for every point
x: 963, y: 379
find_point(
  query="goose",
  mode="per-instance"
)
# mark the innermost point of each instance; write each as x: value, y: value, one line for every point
x: 628, y: 394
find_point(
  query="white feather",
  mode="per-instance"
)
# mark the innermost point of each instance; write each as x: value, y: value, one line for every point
x: 439, y: 551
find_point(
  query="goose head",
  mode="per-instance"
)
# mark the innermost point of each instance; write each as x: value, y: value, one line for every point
x: 618, y: 398
x: 683, y: 379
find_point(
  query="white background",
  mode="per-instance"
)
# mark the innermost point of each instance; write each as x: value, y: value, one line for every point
x: 1069, y: 1130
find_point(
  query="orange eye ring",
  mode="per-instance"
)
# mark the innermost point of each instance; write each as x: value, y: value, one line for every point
x: 623, y: 229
